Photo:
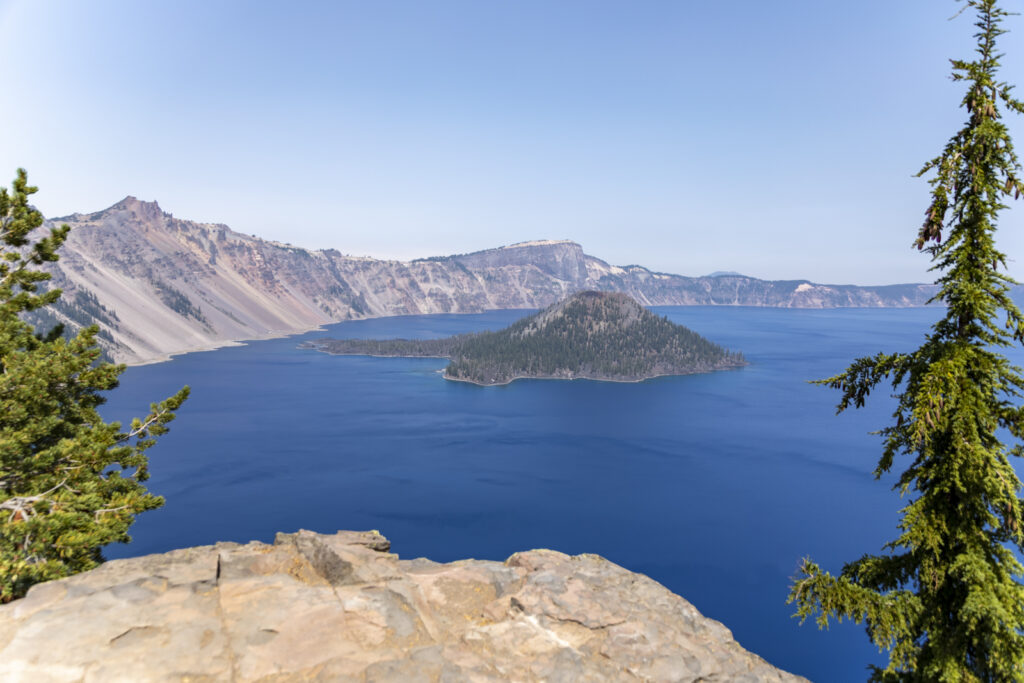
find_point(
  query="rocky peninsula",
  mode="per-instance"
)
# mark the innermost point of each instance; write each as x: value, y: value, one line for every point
x: 343, y: 608
x: 590, y: 335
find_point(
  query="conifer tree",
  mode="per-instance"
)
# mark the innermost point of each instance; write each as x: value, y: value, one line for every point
x: 944, y: 597
x: 69, y: 482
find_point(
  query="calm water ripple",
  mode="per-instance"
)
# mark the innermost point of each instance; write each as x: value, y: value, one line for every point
x: 715, y: 485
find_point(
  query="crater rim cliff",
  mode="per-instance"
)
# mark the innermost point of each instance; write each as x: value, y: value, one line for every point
x: 159, y: 285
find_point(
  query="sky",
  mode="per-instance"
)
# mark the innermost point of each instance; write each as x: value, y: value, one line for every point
x: 777, y: 139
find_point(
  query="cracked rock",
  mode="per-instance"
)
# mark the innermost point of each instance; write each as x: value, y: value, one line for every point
x: 343, y: 608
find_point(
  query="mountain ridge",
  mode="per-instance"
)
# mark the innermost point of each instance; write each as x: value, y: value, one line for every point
x: 159, y: 285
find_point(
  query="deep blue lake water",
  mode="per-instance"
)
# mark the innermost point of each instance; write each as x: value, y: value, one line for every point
x: 715, y: 485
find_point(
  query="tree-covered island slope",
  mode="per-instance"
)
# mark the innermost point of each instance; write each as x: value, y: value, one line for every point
x: 590, y: 335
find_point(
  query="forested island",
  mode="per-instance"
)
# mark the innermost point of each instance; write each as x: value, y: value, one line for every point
x: 590, y: 335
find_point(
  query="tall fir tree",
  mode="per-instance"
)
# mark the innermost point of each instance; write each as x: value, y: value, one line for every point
x: 944, y: 597
x: 70, y: 483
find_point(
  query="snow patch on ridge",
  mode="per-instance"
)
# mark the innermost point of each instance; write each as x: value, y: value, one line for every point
x: 537, y: 243
x: 596, y: 268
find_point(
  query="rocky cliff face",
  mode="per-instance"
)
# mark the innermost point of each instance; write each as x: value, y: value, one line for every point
x: 342, y: 608
x: 158, y: 285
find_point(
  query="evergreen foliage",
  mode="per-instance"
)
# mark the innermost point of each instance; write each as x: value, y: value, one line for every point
x: 178, y: 301
x: 944, y: 597
x: 69, y: 482
x: 596, y: 335
x: 74, y: 312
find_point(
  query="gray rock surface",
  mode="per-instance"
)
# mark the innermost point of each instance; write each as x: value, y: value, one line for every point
x: 158, y: 285
x: 343, y: 608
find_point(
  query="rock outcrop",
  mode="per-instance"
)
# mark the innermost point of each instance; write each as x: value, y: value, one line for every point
x: 158, y: 285
x: 342, y: 608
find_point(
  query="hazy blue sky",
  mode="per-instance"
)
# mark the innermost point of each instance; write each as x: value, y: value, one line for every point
x: 776, y: 138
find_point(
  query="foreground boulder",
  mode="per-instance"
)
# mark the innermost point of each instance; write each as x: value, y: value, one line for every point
x: 342, y: 608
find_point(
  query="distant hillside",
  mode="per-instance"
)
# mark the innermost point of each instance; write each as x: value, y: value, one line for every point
x: 158, y: 285
x: 590, y: 335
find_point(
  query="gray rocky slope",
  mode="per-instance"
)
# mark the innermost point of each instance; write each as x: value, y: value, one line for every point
x: 342, y: 608
x: 159, y: 285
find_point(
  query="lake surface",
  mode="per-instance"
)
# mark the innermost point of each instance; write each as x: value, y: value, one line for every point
x: 715, y: 485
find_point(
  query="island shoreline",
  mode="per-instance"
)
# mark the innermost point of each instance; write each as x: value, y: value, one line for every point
x: 591, y: 335
x: 214, y: 345
x: 444, y: 373
x: 591, y: 379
